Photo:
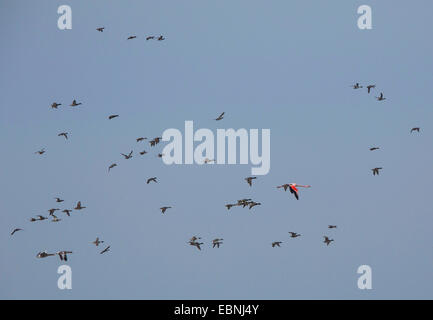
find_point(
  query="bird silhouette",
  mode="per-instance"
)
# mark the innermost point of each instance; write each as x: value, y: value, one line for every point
x: 414, y: 129
x: 74, y: 103
x: 381, y: 97
x: 131, y: 37
x: 374, y: 148
x: 79, y: 207
x: 327, y: 240
x: 249, y: 180
x: 163, y: 209
x: 151, y: 179
x: 371, y: 86
x: 97, y: 241
x: 276, y: 244
x: 15, y: 230
x: 376, y: 171
x: 101, y: 29
x: 294, y: 234
x: 220, y: 117
x: 105, y: 250
x: 129, y: 156
x: 113, y: 116
x: 112, y: 166
x: 54, y: 105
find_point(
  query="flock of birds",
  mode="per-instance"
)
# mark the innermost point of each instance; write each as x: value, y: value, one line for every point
x: 193, y: 241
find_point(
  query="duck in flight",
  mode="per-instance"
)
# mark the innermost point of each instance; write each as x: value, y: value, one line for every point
x: 371, y: 86
x: 163, y: 209
x: 55, y: 218
x: 44, y: 254
x: 112, y: 166
x: 59, y: 200
x: 216, y: 242
x: 253, y: 204
x: 51, y: 211
x: 356, y: 86
x: 294, y: 234
x: 249, y: 180
x: 143, y: 152
x: 74, y: 103
x: 97, y: 242
x: 196, y: 244
x: 79, y: 207
x: 68, y: 212
x: 229, y: 206
x: 42, y: 151
x: 276, y: 244
x: 376, y: 171
x: 220, y: 117
x: 63, y: 255
x: 101, y: 29
x: 150, y: 38
x: 151, y: 179
x: 327, y: 240
x: 129, y: 156
x: 15, y: 230
x: 141, y: 139
x: 131, y: 37
x: 381, y: 97
x: 374, y: 148
x: 113, y: 116
x: 105, y: 250
x: 160, y: 38
x: 414, y: 129
x: 54, y: 105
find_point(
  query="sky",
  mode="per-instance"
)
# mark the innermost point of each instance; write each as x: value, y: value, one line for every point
x: 281, y: 65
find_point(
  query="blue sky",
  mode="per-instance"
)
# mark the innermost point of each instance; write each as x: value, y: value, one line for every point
x: 282, y: 65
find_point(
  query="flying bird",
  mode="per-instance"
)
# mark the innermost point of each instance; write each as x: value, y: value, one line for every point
x: 74, y: 103
x: 105, y: 250
x: 294, y: 234
x: 63, y: 255
x: 143, y: 152
x: 97, y: 241
x: 163, y: 209
x: 276, y: 244
x: 68, y: 212
x: 54, y: 105
x: 327, y: 240
x: 196, y: 244
x: 356, y: 86
x: 64, y: 134
x: 131, y: 37
x: 332, y: 226
x: 150, y: 38
x: 51, y: 211
x: 160, y: 38
x: 220, y: 117
x: 151, y: 179
x: 249, y: 180
x: 42, y: 151
x: 380, y: 98
x: 216, y: 242
x: 194, y: 238
x: 113, y: 116
x: 160, y: 155
x: 228, y: 206
x: 129, y: 156
x: 79, y: 207
x: 15, y: 230
x: 112, y: 166
x: 207, y: 160
x: 155, y: 141
x: 44, y: 254
x: 59, y: 200
x: 140, y: 139
x: 55, y: 218
x: 414, y: 129
x: 376, y: 171
x: 371, y: 86
x: 293, y: 187
x: 100, y: 29
x: 253, y: 204
x: 374, y: 148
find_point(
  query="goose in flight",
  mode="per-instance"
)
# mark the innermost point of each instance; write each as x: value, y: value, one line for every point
x: 63, y: 255
x: 294, y: 234
x: 155, y: 141
x: 140, y: 139
x: 113, y: 116
x: 276, y: 244
x: 40, y: 218
x: 356, y: 86
x: 112, y: 166
x: 370, y: 86
x: 216, y: 242
x: 54, y: 105
x: 160, y: 38
x: 327, y: 240
x: 131, y: 37
x: 143, y: 152
x: 42, y: 151
x: 376, y: 171
x: 163, y: 209
x: 58, y: 199
x: 381, y: 97
x: 68, y: 212
x: 249, y: 180
x: 374, y: 148
x: 101, y: 29
x: 220, y: 117
x: 151, y: 179
x: 332, y: 226
x: 105, y: 250
x: 79, y: 207
x: 293, y: 187
x: 207, y: 160
x: 97, y: 241
x: 150, y: 38
x: 15, y: 230
x: 414, y: 129
x: 194, y: 238
x: 64, y: 134
x: 129, y: 156
x: 74, y: 103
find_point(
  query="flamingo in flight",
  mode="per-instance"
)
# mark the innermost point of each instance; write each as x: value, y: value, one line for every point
x: 293, y: 187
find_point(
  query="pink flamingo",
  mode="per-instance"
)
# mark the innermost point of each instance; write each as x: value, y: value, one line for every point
x: 293, y: 187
